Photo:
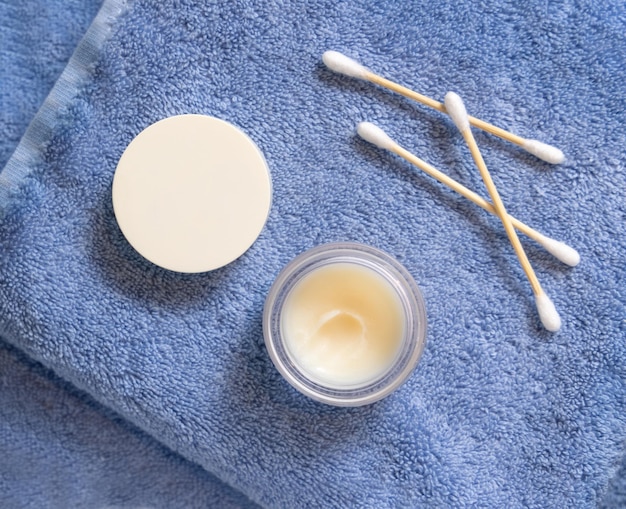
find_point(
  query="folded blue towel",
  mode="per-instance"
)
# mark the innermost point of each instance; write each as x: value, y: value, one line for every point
x: 61, y: 449
x: 36, y: 41
x: 498, y: 412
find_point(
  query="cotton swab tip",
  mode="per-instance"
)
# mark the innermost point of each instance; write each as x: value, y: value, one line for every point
x: 548, y: 314
x: 456, y: 110
x: 562, y: 251
x: 544, y: 151
x: 374, y: 134
x: 342, y: 64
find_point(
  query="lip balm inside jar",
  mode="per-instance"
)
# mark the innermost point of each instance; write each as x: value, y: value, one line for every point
x: 345, y: 324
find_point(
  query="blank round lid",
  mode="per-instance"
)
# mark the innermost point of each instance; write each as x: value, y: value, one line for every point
x: 191, y: 193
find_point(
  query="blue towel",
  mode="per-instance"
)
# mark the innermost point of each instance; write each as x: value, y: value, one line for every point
x: 498, y: 412
x: 61, y: 449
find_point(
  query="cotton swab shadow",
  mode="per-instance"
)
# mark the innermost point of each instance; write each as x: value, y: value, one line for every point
x: 424, y: 118
x: 486, y: 228
x: 545, y: 307
x: 514, y: 153
x: 344, y: 65
x: 388, y: 162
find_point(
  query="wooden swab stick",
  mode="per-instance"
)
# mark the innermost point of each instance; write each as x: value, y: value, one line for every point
x: 378, y: 137
x: 547, y: 312
x: 342, y: 64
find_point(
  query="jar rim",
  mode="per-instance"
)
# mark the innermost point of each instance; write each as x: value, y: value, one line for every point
x: 394, y: 273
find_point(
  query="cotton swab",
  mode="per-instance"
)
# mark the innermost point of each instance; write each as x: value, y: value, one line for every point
x: 378, y: 137
x: 342, y: 64
x: 547, y: 312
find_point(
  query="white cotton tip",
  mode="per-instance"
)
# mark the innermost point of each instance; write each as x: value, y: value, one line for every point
x: 544, y: 151
x: 561, y: 250
x: 548, y: 314
x: 374, y: 134
x: 340, y: 63
x: 456, y: 110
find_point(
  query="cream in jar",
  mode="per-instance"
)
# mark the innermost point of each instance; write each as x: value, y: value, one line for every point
x: 345, y: 323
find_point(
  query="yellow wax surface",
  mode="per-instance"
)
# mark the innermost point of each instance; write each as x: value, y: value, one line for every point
x: 343, y: 324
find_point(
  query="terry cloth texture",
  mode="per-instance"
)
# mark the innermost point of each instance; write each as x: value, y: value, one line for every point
x: 61, y: 449
x: 499, y: 413
x: 58, y: 447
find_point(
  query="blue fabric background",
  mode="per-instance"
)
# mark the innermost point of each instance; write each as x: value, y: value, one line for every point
x: 60, y: 448
x: 498, y: 413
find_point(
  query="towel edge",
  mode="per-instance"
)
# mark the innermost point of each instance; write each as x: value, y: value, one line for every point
x: 30, y: 149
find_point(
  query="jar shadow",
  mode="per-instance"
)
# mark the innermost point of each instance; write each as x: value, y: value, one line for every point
x: 259, y: 392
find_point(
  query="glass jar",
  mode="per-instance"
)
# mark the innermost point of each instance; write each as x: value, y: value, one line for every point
x: 404, y: 291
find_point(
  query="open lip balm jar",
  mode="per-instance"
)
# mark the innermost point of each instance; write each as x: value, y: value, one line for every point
x: 345, y: 324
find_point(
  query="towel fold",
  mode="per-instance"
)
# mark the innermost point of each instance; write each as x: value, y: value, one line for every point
x: 61, y: 449
x: 498, y: 413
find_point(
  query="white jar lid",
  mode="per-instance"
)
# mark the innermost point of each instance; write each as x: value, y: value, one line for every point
x: 191, y: 193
